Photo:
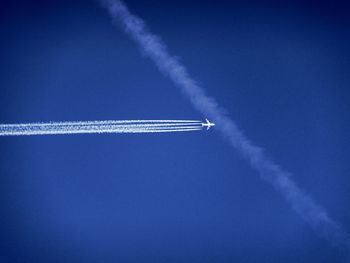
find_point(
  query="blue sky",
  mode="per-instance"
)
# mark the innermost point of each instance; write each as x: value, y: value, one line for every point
x: 281, y: 71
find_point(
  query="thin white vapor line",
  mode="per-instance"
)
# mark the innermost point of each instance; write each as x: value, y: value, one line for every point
x: 23, y: 133
x: 105, y: 122
x: 92, y: 124
x: 92, y: 127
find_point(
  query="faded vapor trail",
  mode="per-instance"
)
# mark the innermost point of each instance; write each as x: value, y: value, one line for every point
x: 153, y: 47
x: 79, y: 127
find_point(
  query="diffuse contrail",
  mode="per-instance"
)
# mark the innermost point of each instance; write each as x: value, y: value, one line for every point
x: 111, y: 126
x: 152, y: 46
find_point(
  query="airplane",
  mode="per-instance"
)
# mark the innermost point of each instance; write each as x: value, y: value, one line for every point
x: 208, y: 124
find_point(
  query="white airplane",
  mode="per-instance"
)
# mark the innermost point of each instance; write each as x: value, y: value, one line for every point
x: 208, y: 124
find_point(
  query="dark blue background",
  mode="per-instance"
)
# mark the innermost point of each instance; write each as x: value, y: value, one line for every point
x: 280, y: 69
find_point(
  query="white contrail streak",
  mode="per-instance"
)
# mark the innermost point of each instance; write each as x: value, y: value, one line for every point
x: 79, y: 127
x: 153, y: 47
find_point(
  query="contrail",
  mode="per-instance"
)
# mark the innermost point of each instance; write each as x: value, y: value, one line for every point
x: 153, y: 47
x: 111, y: 126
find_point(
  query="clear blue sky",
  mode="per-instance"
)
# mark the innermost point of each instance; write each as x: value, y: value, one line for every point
x: 280, y: 70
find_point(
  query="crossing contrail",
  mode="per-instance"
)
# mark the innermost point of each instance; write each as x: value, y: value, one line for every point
x: 110, y: 126
x: 153, y: 47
